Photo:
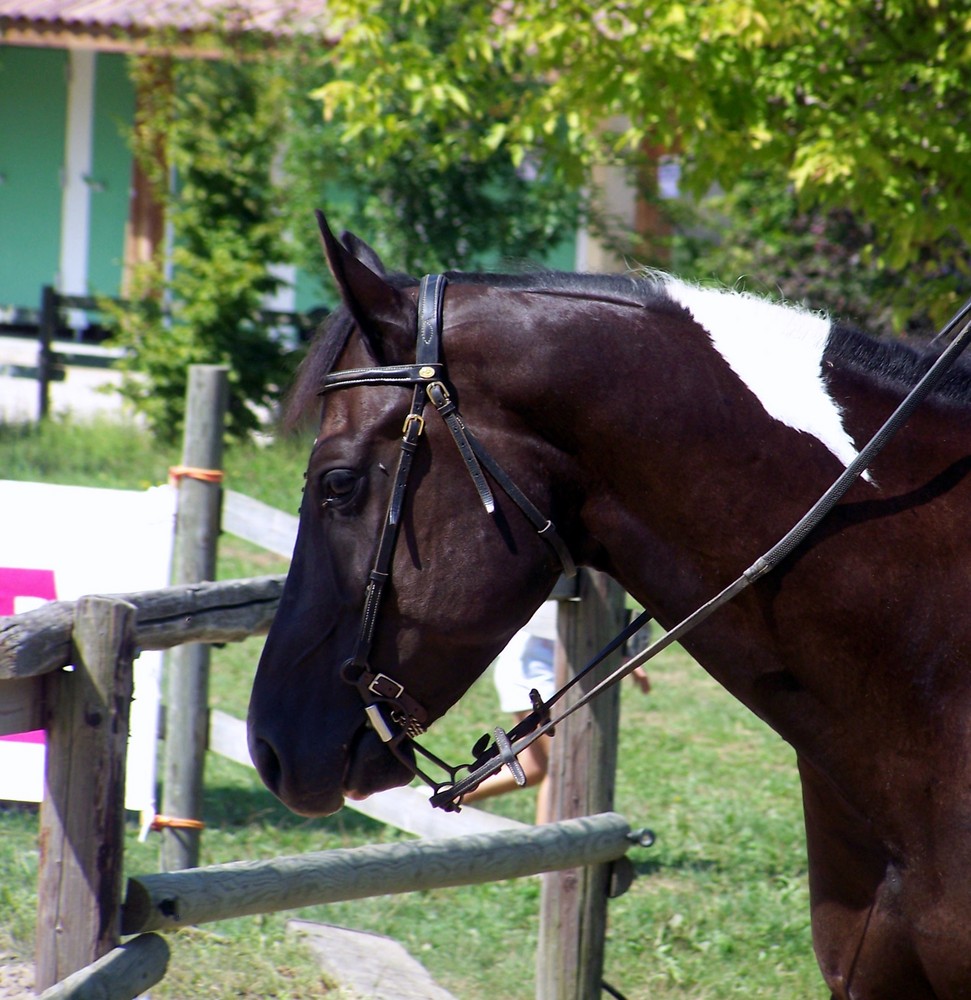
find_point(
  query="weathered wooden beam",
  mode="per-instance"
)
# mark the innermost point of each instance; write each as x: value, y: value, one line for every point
x: 38, y: 642
x: 225, y: 611
x: 21, y: 705
x: 187, y: 666
x: 582, y: 767
x: 124, y: 973
x: 82, y: 817
x: 200, y: 895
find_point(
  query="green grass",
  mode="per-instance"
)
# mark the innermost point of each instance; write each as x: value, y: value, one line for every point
x: 719, y: 908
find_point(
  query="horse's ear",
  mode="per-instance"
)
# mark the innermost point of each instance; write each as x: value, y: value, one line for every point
x: 383, y: 313
x: 364, y: 253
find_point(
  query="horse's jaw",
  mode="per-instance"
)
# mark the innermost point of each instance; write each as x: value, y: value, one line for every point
x: 372, y: 768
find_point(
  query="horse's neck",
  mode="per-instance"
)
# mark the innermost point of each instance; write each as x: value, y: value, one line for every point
x: 708, y: 436
x: 694, y: 476
x: 700, y: 460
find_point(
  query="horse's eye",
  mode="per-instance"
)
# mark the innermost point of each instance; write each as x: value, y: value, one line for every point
x: 339, y: 487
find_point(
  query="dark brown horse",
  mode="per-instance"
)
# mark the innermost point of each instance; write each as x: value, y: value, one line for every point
x: 671, y: 435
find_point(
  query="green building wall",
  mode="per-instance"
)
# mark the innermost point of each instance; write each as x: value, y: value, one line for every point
x: 33, y: 116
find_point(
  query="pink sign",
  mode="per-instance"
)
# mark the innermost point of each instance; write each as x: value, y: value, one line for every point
x: 59, y: 543
x: 14, y: 583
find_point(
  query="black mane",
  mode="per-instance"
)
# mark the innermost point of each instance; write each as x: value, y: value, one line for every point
x: 896, y: 362
x: 618, y: 288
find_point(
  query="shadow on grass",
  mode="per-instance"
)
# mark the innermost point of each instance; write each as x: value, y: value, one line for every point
x: 653, y: 866
x: 227, y: 806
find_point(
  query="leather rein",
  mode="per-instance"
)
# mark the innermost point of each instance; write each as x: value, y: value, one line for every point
x: 397, y: 717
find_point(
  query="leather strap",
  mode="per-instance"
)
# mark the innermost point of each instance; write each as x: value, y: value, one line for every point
x: 431, y: 295
x: 543, y: 525
x: 445, y: 405
x: 389, y: 375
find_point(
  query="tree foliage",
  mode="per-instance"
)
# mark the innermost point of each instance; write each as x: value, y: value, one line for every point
x: 429, y: 198
x: 247, y: 157
x: 757, y: 237
x: 219, y: 124
x: 863, y: 107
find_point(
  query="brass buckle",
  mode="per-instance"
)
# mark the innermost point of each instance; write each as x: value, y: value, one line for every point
x: 413, y: 418
x: 438, y: 394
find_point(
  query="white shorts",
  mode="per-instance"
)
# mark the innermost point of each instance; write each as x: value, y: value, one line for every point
x: 525, y: 663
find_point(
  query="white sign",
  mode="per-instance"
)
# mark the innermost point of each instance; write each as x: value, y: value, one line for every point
x: 63, y: 542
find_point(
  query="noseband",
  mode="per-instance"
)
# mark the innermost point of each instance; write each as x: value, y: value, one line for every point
x: 406, y: 718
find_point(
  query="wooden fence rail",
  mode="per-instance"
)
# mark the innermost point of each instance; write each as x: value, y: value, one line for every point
x: 39, y: 642
x: 124, y: 973
x: 170, y: 900
x: 49, y: 323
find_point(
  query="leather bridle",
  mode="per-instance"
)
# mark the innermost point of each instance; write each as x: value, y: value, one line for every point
x: 391, y: 711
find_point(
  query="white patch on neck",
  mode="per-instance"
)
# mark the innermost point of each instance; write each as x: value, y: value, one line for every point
x: 777, y: 351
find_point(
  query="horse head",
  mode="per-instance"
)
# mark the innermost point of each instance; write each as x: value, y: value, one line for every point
x: 460, y: 581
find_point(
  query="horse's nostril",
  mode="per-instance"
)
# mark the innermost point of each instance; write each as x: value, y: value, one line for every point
x: 267, y: 764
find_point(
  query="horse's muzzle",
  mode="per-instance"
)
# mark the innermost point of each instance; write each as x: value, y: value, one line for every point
x: 315, y: 785
x: 307, y: 800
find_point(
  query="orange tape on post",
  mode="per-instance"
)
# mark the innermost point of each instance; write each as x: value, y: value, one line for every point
x: 180, y: 472
x: 176, y: 823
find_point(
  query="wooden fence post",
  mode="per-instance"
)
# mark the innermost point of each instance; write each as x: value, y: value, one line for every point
x: 82, y: 816
x: 46, y: 328
x: 187, y: 669
x: 583, y: 762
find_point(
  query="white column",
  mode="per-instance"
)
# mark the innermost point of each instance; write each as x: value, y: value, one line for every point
x: 76, y: 194
x: 615, y: 202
